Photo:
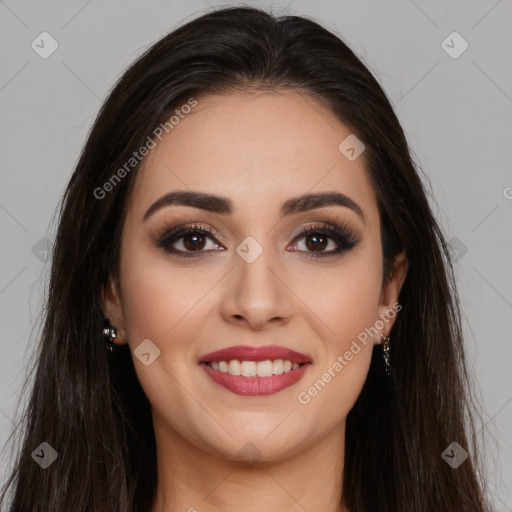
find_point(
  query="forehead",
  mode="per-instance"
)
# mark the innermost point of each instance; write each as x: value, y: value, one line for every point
x: 256, y: 148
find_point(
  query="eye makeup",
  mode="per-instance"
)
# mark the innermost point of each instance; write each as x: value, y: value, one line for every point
x: 193, y: 238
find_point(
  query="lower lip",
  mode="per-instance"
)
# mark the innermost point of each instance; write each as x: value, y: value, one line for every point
x: 255, y: 386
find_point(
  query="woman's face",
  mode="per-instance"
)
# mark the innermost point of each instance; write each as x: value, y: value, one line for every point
x: 254, y: 280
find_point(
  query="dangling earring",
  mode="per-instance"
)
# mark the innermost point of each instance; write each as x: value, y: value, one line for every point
x: 385, y: 352
x: 110, y: 333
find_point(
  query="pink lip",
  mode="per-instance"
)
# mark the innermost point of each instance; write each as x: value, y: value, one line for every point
x: 255, y: 386
x: 247, y: 353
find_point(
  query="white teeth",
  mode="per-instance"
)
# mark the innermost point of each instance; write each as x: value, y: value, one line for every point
x: 248, y: 368
x: 264, y: 368
x: 234, y: 367
x: 278, y: 367
x: 252, y: 368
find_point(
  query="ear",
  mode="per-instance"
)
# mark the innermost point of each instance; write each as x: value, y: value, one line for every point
x: 388, y: 304
x: 113, y: 311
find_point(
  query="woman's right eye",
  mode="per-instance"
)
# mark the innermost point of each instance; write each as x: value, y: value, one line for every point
x: 188, y: 241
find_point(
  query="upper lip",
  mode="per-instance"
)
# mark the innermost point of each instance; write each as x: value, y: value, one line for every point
x: 261, y: 353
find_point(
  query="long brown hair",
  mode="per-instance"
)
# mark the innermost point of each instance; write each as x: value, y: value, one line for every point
x: 89, y: 405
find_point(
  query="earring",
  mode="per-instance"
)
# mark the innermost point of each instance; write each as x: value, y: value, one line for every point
x: 385, y: 352
x: 110, y: 333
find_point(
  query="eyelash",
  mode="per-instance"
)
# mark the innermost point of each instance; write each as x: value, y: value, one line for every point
x: 342, y: 235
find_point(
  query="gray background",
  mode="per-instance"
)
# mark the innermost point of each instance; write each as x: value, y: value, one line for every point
x: 457, y: 114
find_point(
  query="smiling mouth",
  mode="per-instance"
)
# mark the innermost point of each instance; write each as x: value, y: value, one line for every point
x: 254, y: 378
x: 255, y: 371
x: 266, y: 368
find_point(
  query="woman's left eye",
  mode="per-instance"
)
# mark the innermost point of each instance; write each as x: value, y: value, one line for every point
x: 321, y: 241
x: 320, y: 238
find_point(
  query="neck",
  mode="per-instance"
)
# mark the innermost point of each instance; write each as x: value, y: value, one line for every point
x: 194, y: 480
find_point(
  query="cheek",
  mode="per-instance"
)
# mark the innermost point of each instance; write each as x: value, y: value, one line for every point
x: 156, y: 295
x: 345, y: 298
x: 161, y: 302
x: 346, y: 352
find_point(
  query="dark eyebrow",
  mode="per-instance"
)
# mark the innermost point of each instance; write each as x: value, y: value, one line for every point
x: 225, y: 206
x: 312, y: 201
x: 208, y: 202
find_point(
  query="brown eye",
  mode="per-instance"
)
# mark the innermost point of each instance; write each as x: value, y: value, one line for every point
x: 194, y: 241
x: 317, y: 241
x: 187, y: 240
x: 319, y: 238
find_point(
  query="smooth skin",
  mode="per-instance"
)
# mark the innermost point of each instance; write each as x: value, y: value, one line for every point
x: 258, y: 150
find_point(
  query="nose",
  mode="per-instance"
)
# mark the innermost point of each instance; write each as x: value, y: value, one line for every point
x: 257, y: 295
